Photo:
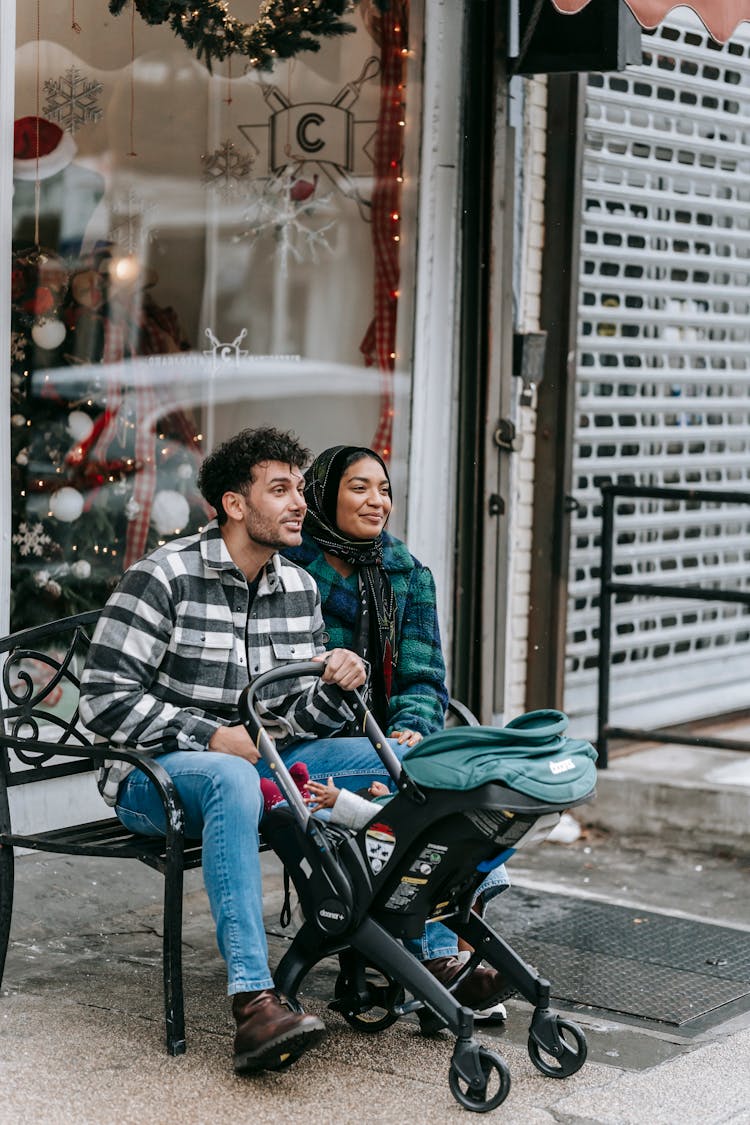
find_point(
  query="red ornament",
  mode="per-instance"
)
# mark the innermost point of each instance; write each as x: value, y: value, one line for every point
x: 303, y: 189
x: 44, y: 302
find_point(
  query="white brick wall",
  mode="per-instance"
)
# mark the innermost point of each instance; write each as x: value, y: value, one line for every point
x: 531, y: 242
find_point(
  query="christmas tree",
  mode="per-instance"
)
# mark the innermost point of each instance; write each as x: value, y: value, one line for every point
x: 103, y: 469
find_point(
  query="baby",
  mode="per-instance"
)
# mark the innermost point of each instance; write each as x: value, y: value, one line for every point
x: 347, y: 808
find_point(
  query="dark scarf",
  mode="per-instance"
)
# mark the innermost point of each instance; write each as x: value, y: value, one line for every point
x: 375, y: 627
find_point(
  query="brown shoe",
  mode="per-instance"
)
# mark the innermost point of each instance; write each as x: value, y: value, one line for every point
x: 270, y: 1034
x: 478, y: 989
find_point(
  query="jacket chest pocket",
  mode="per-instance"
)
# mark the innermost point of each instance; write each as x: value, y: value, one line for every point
x: 286, y: 653
x: 204, y: 660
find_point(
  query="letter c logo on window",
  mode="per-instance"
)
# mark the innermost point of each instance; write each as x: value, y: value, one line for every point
x: 306, y: 143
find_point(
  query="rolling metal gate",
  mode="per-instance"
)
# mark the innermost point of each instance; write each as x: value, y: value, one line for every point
x: 663, y: 373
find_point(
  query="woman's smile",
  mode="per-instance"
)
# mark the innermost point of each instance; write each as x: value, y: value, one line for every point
x: 364, y: 500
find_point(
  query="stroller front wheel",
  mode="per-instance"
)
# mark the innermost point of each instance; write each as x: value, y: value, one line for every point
x: 494, y: 1089
x: 570, y: 1051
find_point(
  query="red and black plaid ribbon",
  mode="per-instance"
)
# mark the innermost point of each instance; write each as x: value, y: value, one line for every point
x: 379, y: 343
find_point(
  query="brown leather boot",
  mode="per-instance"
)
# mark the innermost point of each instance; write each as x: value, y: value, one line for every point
x: 477, y: 990
x: 270, y: 1034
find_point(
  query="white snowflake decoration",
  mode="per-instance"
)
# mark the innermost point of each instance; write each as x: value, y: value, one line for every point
x: 226, y: 167
x: 18, y: 345
x: 276, y: 209
x: 72, y: 100
x: 130, y: 221
x: 31, y: 539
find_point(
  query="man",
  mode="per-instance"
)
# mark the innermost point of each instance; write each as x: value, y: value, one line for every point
x: 174, y: 647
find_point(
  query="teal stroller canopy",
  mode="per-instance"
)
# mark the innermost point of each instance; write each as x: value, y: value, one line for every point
x: 530, y: 754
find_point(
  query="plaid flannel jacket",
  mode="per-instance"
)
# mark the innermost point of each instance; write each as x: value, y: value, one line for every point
x: 170, y: 653
x: 419, y: 696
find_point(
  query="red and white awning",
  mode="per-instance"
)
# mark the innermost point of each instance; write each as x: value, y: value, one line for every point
x: 720, y: 16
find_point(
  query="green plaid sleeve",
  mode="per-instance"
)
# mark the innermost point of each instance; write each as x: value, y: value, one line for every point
x: 419, y: 696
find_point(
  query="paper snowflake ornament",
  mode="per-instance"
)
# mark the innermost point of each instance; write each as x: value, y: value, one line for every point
x: 31, y: 539
x: 72, y: 100
x: 287, y: 207
x: 225, y: 168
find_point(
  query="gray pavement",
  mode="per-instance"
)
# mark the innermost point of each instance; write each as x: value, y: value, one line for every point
x: 81, y: 1029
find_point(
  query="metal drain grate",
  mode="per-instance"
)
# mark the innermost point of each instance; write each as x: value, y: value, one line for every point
x: 633, y: 962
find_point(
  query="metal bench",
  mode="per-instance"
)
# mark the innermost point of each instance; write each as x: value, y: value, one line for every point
x: 41, y: 738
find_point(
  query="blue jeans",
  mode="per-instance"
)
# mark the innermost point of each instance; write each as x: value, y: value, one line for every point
x: 223, y: 805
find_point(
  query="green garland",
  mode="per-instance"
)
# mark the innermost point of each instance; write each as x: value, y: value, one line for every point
x: 283, y: 27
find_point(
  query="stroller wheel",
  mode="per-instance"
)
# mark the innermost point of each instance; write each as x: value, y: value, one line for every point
x: 487, y: 1096
x: 570, y: 1051
x: 376, y: 1014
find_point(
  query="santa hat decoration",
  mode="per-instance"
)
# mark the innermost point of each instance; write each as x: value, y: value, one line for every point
x: 40, y: 148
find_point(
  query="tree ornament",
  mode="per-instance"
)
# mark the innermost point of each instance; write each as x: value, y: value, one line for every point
x: 81, y: 569
x: 31, y: 539
x: 66, y: 504
x: 80, y: 425
x: 169, y: 512
x: 282, y: 30
x: 48, y: 334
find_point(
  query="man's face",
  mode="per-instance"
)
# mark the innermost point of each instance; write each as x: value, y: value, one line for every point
x: 274, y: 505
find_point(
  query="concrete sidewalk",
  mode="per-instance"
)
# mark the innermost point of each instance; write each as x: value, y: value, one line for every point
x: 81, y: 1027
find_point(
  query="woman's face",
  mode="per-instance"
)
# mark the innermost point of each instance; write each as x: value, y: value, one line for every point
x: 364, y: 501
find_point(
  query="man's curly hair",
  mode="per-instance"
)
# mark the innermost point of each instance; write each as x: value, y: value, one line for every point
x: 230, y: 467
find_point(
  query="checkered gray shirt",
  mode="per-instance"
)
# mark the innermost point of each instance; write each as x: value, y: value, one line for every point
x: 170, y: 653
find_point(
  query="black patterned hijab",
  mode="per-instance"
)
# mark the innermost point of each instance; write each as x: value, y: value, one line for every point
x: 375, y: 627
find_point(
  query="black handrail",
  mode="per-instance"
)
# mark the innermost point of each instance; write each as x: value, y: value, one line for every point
x: 607, y: 587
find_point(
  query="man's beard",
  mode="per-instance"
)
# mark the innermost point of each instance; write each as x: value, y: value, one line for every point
x: 263, y: 531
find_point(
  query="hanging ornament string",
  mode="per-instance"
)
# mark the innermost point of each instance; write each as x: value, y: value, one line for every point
x: 299, y: 161
x: 228, y: 98
x: 132, y: 151
x: 74, y: 24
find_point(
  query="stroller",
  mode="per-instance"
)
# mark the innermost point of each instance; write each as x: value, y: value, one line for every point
x: 423, y: 857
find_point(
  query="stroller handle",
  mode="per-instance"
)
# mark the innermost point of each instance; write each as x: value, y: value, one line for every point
x: 270, y: 754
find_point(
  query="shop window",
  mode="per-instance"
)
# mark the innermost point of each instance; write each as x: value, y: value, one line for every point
x: 194, y: 252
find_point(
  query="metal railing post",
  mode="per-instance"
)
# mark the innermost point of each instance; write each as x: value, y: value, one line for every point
x: 605, y: 624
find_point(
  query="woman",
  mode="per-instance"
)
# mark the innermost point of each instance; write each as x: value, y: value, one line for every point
x: 377, y: 599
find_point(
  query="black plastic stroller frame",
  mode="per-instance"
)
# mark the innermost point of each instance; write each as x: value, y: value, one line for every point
x: 359, y: 907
